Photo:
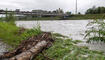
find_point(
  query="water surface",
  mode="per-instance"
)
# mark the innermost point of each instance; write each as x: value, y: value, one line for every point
x: 72, y: 28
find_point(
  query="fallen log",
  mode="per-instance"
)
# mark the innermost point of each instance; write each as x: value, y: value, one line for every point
x: 28, y: 55
x: 30, y: 48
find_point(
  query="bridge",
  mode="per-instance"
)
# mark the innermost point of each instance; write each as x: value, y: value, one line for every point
x: 32, y: 13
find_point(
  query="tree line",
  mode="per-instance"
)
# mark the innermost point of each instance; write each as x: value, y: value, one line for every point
x: 96, y: 10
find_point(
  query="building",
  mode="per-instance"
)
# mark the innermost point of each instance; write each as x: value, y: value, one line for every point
x: 40, y: 11
x: 17, y: 10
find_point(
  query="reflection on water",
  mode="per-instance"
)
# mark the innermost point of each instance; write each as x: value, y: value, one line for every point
x: 71, y: 28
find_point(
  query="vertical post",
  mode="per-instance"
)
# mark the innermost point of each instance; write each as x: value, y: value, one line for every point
x: 76, y: 8
x: 6, y: 14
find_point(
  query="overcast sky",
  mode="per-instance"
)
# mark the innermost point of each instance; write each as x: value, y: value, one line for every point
x: 66, y: 5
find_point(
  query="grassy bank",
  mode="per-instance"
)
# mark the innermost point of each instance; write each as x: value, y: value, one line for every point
x: 62, y: 49
x: 40, y: 18
x: 71, y: 17
x: 88, y: 16
x: 13, y: 35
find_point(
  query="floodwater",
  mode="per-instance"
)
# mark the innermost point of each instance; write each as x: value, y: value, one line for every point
x: 71, y: 28
x: 75, y: 29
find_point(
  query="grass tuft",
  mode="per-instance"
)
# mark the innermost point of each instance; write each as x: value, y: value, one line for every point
x: 9, y: 33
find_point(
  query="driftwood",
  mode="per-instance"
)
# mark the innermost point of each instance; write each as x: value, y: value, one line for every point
x: 31, y: 52
x: 30, y: 48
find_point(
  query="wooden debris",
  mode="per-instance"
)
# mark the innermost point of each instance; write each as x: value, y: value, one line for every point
x: 30, y: 48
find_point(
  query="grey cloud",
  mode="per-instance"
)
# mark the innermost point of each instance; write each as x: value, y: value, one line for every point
x: 66, y: 5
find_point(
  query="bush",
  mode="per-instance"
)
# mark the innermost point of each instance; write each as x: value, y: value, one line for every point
x: 96, y: 31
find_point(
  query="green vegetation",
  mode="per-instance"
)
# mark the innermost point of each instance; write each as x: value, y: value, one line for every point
x: 9, y: 33
x: 62, y: 49
x: 87, y: 16
x: 31, y: 32
x: 48, y: 18
x: 91, y: 13
x: 13, y: 35
x: 96, y: 31
x: 40, y: 18
x: 66, y: 49
x: 70, y: 17
x: 10, y: 17
x: 94, y: 10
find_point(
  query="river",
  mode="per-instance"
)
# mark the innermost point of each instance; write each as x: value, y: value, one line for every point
x: 71, y: 28
x: 74, y: 29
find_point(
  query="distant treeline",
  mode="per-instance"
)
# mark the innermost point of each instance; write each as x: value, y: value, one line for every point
x: 96, y: 10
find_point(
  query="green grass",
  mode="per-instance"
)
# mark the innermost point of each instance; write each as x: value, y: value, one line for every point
x: 88, y: 16
x: 9, y: 33
x: 66, y: 49
x: 71, y: 17
x: 31, y: 32
x: 47, y: 18
x: 41, y: 18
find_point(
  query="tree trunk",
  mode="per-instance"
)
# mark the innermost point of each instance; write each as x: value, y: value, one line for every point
x: 31, y: 52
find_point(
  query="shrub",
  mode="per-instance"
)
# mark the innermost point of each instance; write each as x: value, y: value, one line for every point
x: 96, y: 31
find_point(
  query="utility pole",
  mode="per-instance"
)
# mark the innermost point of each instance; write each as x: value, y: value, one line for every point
x: 76, y: 8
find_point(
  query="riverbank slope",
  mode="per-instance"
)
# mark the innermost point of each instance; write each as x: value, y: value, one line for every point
x: 62, y: 49
x: 70, y: 17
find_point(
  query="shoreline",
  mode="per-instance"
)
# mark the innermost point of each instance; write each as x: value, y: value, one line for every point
x: 53, y: 20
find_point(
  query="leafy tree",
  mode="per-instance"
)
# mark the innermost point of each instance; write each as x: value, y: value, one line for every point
x: 89, y: 11
x: 102, y: 9
x: 94, y: 10
x: 68, y: 13
x: 79, y: 13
